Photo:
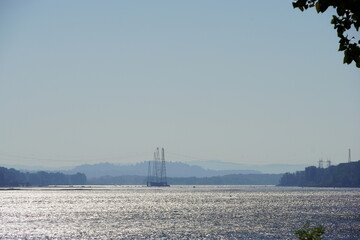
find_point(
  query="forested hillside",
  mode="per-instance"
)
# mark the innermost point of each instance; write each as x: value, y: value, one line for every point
x: 14, y: 178
x: 173, y: 169
x: 233, y: 179
x: 342, y: 175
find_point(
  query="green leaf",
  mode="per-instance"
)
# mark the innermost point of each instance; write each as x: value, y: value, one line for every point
x: 318, y: 7
x: 347, y: 19
x: 340, y: 10
x: 341, y: 47
x: 347, y: 58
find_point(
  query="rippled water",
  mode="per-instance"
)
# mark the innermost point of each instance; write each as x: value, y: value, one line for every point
x: 178, y: 212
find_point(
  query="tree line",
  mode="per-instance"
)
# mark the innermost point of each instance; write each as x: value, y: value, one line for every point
x: 232, y: 179
x: 14, y: 178
x: 342, y: 175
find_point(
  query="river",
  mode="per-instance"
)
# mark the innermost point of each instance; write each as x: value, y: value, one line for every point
x: 176, y: 212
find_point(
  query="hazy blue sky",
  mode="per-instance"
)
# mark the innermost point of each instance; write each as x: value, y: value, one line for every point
x: 238, y: 81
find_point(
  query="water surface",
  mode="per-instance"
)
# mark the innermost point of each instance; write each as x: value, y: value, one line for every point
x: 177, y: 212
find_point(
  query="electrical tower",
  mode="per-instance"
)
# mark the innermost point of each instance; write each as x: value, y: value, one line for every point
x: 321, y: 163
x: 157, y: 172
x: 163, y: 167
x: 328, y: 163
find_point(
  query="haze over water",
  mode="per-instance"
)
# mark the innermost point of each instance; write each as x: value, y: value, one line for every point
x: 250, y: 82
x: 180, y: 212
x: 242, y: 82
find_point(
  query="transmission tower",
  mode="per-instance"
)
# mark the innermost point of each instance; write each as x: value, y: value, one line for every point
x: 321, y: 162
x: 328, y: 163
x: 163, y: 167
x: 157, y: 172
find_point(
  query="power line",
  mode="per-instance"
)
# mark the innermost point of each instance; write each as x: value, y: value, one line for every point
x: 187, y: 156
x: 66, y: 159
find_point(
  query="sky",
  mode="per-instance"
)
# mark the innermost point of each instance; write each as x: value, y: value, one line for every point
x: 251, y: 82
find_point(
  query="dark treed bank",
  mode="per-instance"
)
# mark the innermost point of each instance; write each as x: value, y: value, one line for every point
x: 14, y: 178
x: 342, y: 175
x: 232, y: 179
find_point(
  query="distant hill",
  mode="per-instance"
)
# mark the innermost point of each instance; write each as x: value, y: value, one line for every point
x: 268, y: 168
x: 232, y: 179
x: 14, y: 178
x: 342, y: 175
x: 173, y: 169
